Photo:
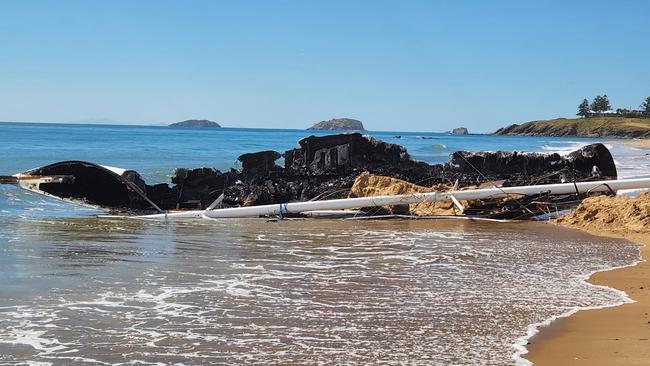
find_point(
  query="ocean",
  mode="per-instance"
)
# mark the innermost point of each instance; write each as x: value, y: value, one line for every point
x: 77, y: 289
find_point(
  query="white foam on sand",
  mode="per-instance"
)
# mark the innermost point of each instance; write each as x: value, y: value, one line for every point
x: 385, y: 291
x: 522, y: 342
x: 31, y: 329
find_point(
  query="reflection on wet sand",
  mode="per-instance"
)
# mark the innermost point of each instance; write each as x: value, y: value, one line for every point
x: 80, y: 242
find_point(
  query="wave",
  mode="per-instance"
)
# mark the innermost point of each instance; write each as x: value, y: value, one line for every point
x: 439, y: 147
x: 563, y: 147
x: 533, y: 329
x: 260, y: 288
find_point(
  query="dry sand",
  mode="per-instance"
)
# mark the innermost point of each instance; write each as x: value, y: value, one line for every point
x: 368, y: 185
x: 637, y: 142
x: 612, y: 336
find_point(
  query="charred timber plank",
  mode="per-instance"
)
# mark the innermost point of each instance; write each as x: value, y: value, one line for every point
x: 8, y: 179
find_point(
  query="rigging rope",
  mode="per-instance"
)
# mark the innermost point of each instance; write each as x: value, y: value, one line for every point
x: 499, y: 188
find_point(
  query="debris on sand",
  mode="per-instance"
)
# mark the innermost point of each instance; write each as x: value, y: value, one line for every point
x: 618, y: 214
x: 368, y: 185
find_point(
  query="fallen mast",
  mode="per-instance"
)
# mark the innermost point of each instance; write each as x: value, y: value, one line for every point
x: 375, y: 201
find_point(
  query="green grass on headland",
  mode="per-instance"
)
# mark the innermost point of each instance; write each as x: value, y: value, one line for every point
x: 583, y: 127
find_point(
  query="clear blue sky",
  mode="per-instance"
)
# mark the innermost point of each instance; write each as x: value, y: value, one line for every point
x: 395, y: 65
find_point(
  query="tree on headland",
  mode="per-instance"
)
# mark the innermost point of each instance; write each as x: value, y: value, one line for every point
x: 583, y: 109
x: 601, y: 104
x: 646, y: 107
x: 604, y: 103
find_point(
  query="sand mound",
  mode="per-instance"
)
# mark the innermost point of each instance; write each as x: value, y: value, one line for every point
x: 368, y: 185
x: 618, y: 214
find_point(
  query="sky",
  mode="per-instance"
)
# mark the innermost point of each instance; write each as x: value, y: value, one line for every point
x: 395, y: 65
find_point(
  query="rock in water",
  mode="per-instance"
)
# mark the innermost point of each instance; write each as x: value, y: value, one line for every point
x: 459, y: 131
x: 196, y: 123
x: 342, y: 124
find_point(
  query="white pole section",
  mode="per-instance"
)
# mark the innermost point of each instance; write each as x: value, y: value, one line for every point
x: 347, y: 203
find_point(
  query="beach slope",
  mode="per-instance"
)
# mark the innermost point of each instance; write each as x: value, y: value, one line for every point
x: 611, y: 336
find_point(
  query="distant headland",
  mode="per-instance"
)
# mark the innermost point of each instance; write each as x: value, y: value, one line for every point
x: 196, y: 123
x: 596, y: 120
x: 581, y: 127
x: 343, y: 124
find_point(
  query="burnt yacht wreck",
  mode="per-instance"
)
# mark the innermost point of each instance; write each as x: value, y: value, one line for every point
x: 319, y: 173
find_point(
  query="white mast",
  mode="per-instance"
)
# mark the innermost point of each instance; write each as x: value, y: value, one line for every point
x: 348, y: 203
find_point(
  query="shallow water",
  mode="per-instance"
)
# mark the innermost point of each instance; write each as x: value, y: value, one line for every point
x: 308, y: 292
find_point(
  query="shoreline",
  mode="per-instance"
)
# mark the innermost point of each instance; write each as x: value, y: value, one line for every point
x: 548, y: 329
x: 617, y: 334
x: 632, y: 142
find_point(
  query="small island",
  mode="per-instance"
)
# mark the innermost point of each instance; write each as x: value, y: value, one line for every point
x: 196, y: 123
x: 459, y: 131
x: 340, y: 124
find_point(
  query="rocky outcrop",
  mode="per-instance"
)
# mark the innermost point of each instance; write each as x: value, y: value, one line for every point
x: 582, y: 127
x: 341, y: 124
x: 459, y: 131
x: 196, y: 123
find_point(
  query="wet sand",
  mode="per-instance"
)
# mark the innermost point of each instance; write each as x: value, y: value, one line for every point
x: 611, y: 336
x: 317, y: 292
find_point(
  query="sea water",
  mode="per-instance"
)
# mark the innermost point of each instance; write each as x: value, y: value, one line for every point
x: 155, y: 151
x: 76, y: 289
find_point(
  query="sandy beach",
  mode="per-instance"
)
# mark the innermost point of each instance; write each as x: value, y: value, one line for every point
x: 611, y: 336
x: 634, y: 142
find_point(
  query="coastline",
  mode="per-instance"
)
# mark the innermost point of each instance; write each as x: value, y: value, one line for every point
x: 634, y: 142
x: 550, y: 328
x: 606, y: 336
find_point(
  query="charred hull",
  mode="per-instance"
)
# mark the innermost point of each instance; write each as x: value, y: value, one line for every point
x: 320, y: 168
x: 91, y: 184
